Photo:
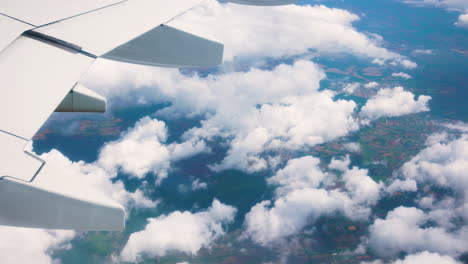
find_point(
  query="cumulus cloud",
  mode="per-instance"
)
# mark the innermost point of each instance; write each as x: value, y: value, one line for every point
x: 371, y: 85
x: 142, y: 150
x: 341, y: 164
x: 405, y: 185
x: 353, y: 147
x: 424, y: 257
x: 404, y: 230
x: 181, y: 231
x: 443, y: 163
x: 253, y: 31
x: 302, y: 197
x: 89, y: 178
x: 351, y: 87
x: 427, y: 258
x: 362, y: 188
x: 299, y: 173
x: 198, y: 185
x: 256, y: 111
x: 462, y: 21
x: 402, y: 75
x: 139, y: 151
x: 24, y: 245
x: 267, y: 222
x: 394, y: 102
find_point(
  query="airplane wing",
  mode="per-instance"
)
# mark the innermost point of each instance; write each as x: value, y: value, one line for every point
x: 45, y: 47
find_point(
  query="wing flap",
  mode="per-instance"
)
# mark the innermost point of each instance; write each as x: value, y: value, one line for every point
x: 27, y: 205
x: 169, y: 47
x: 36, y: 77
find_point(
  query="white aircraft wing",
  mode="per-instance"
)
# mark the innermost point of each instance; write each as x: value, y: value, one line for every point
x: 45, y: 47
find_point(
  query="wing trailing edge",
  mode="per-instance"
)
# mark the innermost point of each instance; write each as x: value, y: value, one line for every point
x: 25, y: 204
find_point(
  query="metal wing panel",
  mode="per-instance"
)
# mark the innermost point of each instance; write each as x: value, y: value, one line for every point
x: 100, y: 31
x: 35, y: 78
x: 40, y: 12
x: 10, y: 29
x: 169, y: 47
x: 29, y: 205
x: 15, y: 162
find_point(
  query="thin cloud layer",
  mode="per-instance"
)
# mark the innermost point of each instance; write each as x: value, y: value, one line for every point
x: 457, y: 5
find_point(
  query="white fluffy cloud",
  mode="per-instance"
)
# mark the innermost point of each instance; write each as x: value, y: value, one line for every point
x: 405, y: 185
x: 267, y: 222
x: 394, y: 102
x: 302, y: 197
x: 90, y: 178
x: 182, y: 231
x: 299, y: 173
x: 351, y: 87
x: 142, y: 150
x: 424, y: 257
x: 256, y: 111
x: 462, y: 20
x: 371, y: 85
x: 403, y: 230
x: 24, y: 245
x: 362, y: 188
x: 353, y: 147
x: 443, y: 163
x: 402, y: 75
x: 280, y: 31
x: 427, y: 258
x: 138, y: 151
